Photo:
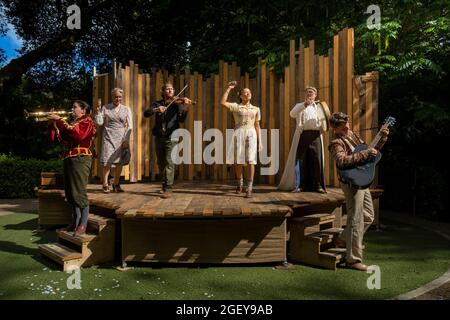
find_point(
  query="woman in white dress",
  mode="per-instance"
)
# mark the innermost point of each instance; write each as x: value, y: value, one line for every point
x: 117, y: 122
x: 246, y: 136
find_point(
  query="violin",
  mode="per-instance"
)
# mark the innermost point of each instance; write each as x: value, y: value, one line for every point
x: 179, y: 100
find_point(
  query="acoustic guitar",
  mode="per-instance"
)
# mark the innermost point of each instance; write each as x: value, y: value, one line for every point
x: 362, y: 176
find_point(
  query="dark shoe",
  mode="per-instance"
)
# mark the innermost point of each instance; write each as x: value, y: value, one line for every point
x: 117, y: 188
x: 81, y: 230
x: 285, y: 266
x: 357, y: 266
x: 320, y: 190
x: 166, y: 194
x: 106, y: 189
x: 239, y: 189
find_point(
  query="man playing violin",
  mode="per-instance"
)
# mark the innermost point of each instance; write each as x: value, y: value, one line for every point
x: 169, y: 112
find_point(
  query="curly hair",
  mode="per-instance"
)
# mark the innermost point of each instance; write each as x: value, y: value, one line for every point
x: 337, y: 119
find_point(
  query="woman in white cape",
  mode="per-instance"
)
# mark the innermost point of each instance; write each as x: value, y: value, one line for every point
x: 290, y: 180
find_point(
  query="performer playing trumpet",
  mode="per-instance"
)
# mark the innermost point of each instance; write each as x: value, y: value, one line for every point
x: 77, y: 137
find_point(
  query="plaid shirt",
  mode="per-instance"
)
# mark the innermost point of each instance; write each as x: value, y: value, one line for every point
x: 342, y: 153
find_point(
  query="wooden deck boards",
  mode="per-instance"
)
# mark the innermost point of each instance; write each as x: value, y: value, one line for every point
x: 197, y: 200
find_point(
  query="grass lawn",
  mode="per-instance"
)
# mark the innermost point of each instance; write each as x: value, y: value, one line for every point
x: 408, y: 257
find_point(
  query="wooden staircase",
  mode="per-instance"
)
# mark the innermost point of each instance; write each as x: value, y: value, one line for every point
x: 96, y: 246
x: 312, y: 241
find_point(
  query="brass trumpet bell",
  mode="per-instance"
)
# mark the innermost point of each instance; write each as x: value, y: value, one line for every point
x: 42, y: 115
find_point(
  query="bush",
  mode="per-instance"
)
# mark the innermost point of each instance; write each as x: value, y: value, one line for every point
x: 19, y: 177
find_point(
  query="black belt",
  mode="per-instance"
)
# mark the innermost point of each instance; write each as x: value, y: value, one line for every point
x: 350, y: 184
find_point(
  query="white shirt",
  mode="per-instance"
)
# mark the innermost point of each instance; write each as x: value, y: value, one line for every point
x: 311, y: 118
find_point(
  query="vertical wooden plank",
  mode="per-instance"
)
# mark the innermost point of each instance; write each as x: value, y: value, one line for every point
x: 355, y: 111
x: 95, y: 99
x: 147, y: 130
x: 343, y: 38
x: 349, y: 79
x: 291, y: 85
x: 181, y: 167
x: 246, y: 80
x: 368, y: 118
x: 209, y: 119
x: 134, y: 139
x: 140, y: 127
x: 191, y: 117
x: 263, y: 106
x: 272, y: 115
x: 158, y: 86
x: 286, y: 117
x: 335, y: 89
x: 200, y: 117
x: 282, y: 126
x: 375, y: 118
x: 224, y: 118
x: 301, y: 72
x: 307, y: 67
x: 326, y: 98
x: 106, y: 93
x: 311, y: 61
x: 126, y: 101
x: 321, y: 97
x: 292, y: 65
x: 216, y: 116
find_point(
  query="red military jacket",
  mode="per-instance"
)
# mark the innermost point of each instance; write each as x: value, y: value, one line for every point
x: 76, y: 137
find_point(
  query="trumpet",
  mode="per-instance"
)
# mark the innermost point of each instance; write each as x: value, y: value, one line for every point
x: 42, y: 115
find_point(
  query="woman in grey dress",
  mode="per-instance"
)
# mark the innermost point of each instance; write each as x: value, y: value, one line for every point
x: 117, y: 122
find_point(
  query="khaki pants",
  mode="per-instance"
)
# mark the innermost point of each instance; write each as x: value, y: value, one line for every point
x: 360, y: 215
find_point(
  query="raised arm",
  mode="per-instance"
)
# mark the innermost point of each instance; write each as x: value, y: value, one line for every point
x: 100, y: 116
x: 296, y: 109
x: 223, y: 101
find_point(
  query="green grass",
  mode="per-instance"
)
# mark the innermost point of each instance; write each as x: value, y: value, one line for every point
x: 408, y: 256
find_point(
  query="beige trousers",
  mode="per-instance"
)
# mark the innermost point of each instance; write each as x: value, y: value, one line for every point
x: 360, y: 215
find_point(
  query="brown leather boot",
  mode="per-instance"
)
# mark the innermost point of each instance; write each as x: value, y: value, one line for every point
x: 81, y: 230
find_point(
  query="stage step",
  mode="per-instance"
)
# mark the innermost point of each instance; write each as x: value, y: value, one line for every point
x: 78, y: 240
x: 315, y: 219
x: 96, y: 223
x: 324, y: 236
x: 97, y: 246
x: 315, y: 248
x: 67, y: 257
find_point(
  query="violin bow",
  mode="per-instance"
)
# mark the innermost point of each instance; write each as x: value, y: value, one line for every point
x: 177, y: 96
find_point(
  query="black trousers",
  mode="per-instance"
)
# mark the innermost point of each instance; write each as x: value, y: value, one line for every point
x: 309, y: 152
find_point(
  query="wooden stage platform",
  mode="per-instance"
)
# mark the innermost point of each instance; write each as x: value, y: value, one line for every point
x: 199, y: 223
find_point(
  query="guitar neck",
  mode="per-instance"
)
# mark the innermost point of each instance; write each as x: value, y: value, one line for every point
x: 377, y: 138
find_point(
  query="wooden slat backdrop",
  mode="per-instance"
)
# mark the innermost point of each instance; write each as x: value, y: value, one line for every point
x: 331, y: 74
